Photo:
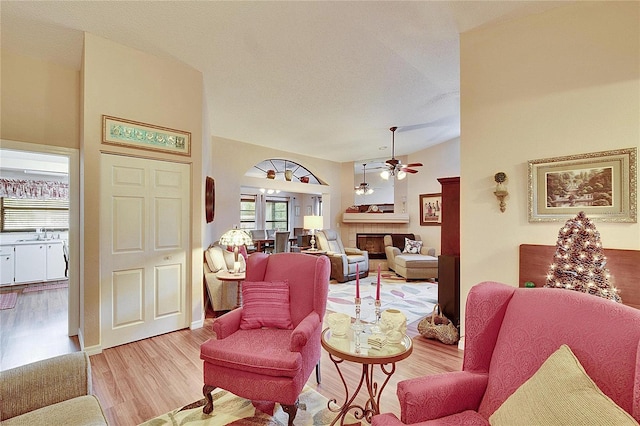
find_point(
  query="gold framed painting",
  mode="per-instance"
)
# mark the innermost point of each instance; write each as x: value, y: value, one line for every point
x: 430, y: 209
x: 602, y: 184
x: 133, y: 134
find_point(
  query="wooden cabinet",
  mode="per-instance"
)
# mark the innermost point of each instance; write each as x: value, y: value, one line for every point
x: 449, y: 287
x: 6, y: 265
x: 449, y: 261
x: 34, y: 262
x: 450, y: 229
x: 30, y: 263
x: 56, y: 264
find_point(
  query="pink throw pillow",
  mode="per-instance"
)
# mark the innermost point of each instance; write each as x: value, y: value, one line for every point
x: 265, y: 304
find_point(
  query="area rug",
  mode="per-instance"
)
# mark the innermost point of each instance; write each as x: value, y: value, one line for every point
x: 414, y: 299
x: 229, y: 409
x: 41, y: 287
x: 8, y: 300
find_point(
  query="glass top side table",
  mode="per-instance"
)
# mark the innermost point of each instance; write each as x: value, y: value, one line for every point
x: 344, y: 348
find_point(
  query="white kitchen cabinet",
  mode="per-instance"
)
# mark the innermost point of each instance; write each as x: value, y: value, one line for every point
x: 6, y: 265
x: 30, y: 262
x: 55, y: 261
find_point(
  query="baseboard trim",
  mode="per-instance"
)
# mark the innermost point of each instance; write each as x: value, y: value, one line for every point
x: 90, y: 350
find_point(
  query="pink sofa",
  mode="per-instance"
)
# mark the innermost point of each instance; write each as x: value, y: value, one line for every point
x: 510, y: 332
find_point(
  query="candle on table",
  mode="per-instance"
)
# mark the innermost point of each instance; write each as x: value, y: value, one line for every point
x: 357, y: 282
x: 378, y: 285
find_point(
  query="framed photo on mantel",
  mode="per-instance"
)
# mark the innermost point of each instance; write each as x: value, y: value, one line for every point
x: 430, y: 209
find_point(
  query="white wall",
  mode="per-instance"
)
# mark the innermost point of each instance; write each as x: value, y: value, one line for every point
x: 439, y: 161
x: 123, y: 82
x: 558, y: 83
x: 40, y: 102
x: 232, y: 159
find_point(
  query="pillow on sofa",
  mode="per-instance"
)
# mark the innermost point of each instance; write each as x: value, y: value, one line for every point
x: 397, y: 240
x: 265, y: 304
x: 215, y: 258
x: 560, y: 393
x: 412, y: 246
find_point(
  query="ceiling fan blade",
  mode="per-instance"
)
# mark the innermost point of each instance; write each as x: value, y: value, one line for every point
x: 409, y: 170
x: 413, y: 165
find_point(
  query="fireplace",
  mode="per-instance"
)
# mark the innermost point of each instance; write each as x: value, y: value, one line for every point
x: 373, y: 243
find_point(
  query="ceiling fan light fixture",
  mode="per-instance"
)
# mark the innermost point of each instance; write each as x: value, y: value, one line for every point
x: 364, y: 188
x: 394, y: 166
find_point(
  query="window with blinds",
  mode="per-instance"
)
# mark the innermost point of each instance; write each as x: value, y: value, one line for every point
x: 277, y: 214
x: 25, y: 214
x: 248, y: 212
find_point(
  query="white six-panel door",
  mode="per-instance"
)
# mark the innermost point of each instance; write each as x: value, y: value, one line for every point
x: 144, y: 234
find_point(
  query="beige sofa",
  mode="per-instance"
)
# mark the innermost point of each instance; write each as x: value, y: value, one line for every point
x: 412, y: 266
x: 222, y: 294
x: 54, y: 391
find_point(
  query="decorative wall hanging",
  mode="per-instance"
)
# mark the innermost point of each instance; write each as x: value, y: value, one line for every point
x: 430, y: 209
x: 602, y: 184
x: 133, y: 134
x: 283, y: 170
x: 210, y: 198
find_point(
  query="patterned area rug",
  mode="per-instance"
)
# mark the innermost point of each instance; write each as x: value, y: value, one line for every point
x: 41, y: 287
x: 229, y: 409
x: 414, y: 299
x: 8, y: 300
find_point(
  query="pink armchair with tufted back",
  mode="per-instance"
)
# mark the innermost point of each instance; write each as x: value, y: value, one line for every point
x: 510, y: 332
x: 271, y: 364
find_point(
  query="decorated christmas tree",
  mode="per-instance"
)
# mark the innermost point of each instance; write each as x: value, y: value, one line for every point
x: 579, y: 263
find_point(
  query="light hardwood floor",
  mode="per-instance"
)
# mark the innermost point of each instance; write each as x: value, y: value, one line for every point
x: 141, y: 380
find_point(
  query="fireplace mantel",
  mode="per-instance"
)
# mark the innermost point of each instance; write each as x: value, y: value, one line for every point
x: 375, y: 217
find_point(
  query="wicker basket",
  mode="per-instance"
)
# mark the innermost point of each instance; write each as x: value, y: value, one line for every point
x: 437, y: 326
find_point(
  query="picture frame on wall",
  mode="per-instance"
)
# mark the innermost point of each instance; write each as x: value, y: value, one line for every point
x: 430, y: 209
x: 134, y: 134
x: 601, y: 184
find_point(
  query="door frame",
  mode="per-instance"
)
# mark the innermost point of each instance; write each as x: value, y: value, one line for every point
x: 75, y: 280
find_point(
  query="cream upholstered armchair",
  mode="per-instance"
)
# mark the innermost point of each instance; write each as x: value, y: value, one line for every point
x: 343, y: 260
x: 54, y: 391
x: 267, y: 349
x: 222, y: 295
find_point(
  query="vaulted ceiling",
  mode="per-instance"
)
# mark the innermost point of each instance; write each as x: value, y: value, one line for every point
x: 325, y: 79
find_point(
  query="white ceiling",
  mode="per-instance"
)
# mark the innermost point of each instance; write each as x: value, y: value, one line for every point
x: 325, y: 79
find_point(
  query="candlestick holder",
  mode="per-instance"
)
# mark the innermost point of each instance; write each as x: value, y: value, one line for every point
x: 375, y: 328
x: 357, y: 327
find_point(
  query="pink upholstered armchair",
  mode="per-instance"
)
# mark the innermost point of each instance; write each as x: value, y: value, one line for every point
x: 510, y: 333
x: 270, y: 363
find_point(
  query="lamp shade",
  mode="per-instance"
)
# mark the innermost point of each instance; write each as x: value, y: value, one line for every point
x: 312, y: 222
x: 236, y: 237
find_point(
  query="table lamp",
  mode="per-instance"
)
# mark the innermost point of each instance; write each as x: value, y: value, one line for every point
x: 235, y: 238
x: 312, y: 223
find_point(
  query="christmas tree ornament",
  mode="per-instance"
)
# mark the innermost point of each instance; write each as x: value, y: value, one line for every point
x: 579, y: 262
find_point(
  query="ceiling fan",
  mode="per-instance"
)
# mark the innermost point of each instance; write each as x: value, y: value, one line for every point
x: 364, y: 188
x: 393, y: 166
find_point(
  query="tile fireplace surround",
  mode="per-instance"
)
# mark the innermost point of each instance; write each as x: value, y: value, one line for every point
x: 349, y: 231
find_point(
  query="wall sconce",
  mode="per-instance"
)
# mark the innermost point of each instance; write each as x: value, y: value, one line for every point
x: 501, y: 189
